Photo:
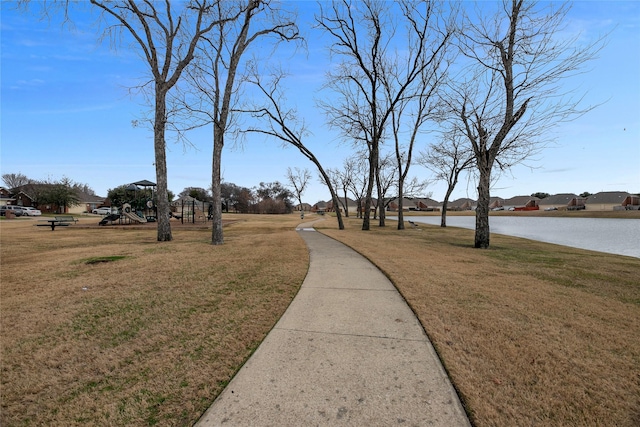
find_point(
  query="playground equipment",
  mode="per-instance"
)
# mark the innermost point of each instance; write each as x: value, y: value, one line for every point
x: 109, y: 218
x: 191, y: 210
x: 133, y: 216
x: 137, y: 204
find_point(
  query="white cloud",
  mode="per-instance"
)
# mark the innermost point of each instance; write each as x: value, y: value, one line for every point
x: 27, y: 84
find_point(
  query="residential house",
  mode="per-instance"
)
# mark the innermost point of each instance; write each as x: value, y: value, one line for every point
x: 407, y: 205
x: 352, y: 206
x: 304, y: 207
x: 330, y: 207
x: 463, y: 204
x: 88, y: 202
x: 6, y: 198
x: 319, y: 208
x: 27, y: 195
x: 577, y: 204
x: 631, y: 203
x: 496, y: 203
x: 414, y: 204
x: 560, y: 201
x: 521, y: 203
x: 427, y: 204
x: 606, y: 201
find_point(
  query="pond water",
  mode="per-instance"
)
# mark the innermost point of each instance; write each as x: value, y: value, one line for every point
x: 611, y: 235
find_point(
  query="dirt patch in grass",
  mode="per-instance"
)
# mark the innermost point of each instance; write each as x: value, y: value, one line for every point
x: 149, y: 339
x: 531, y: 333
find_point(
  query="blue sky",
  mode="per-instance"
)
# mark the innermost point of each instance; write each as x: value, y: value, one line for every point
x: 66, y: 111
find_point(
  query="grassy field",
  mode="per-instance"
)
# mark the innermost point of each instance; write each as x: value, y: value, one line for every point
x: 530, y: 333
x: 106, y: 326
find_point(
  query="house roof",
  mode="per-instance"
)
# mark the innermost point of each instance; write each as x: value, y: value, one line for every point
x: 89, y: 198
x: 427, y: 201
x: 559, y: 199
x: 405, y: 201
x: 608, y: 197
x: 462, y: 201
x: 520, y: 200
x: 350, y: 202
x: 5, y: 194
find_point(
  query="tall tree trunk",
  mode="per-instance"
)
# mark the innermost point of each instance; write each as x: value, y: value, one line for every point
x: 400, y: 204
x: 334, y: 195
x: 445, y: 204
x: 482, y: 209
x: 217, y: 237
x: 380, y: 203
x: 164, y: 226
x: 381, y: 212
x: 373, y: 167
x: 346, y: 204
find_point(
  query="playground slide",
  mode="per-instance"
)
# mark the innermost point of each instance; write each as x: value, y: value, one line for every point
x: 134, y: 217
x: 126, y: 211
x: 109, y: 218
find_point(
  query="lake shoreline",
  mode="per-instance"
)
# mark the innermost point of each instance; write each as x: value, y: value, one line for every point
x: 619, y: 236
x: 541, y: 213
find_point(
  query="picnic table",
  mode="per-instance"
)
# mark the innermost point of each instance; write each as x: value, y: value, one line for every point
x: 53, y: 223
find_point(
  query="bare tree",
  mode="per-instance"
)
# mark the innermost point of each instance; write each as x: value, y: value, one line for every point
x: 448, y: 159
x: 387, y: 179
x: 214, y: 79
x: 167, y: 37
x: 15, y: 180
x: 335, y: 178
x: 357, y: 184
x: 417, y: 107
x: 518, y: 61
x: 299, y: 180
x: 345, y: 179
x: 281, y: 123
x: 374, y: 75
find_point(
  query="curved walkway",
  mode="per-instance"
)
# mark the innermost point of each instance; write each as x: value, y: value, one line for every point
x: 348, y: 351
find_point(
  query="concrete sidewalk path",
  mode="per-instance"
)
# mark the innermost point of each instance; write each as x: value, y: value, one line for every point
x: 347, y: 352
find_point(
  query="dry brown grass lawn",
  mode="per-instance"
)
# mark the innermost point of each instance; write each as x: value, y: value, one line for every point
x: 106, y: 326
x: 531, y: 333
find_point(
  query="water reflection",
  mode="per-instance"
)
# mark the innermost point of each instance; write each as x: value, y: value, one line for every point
x: 611, y: 235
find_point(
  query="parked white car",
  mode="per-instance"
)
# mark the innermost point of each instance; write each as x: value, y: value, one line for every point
x: 102, y: 211
x: 29, y: 211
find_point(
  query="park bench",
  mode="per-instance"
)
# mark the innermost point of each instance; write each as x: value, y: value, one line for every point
x: 65, y: 218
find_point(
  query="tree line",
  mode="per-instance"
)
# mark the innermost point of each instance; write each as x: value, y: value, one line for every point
x: 482, y: 84
x: 266, y: 198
